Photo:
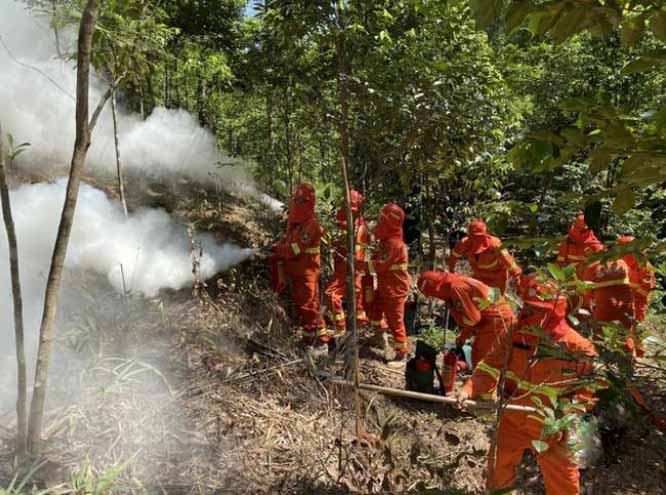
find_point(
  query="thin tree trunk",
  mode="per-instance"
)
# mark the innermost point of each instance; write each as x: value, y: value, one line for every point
x: 343, y: 124
x: 81, y: 145
x: 56, y: 32
x: 287, y: 138
x: 119, y: 170
x: 21, y: 434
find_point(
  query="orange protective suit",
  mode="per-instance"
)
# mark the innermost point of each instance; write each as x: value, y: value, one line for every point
x: 337, y: 287
x: 390, y: 262
x: 610, y: 297
x: 299, y: 262
x: 528, y: 377
x: 578, y: 245
x: 490, y: 262
x: 464, y: 296
x: 642, y: 279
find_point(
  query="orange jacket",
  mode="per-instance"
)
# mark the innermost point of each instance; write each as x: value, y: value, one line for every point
x: 491, y: 263
x: 390, y: 262
x: 465, y: 301
x: 575, y: 253
x: 643, y: 281
x: 610, y: 296
x: 340, y: 245
x: 299, y: 250
x: 528, y: 377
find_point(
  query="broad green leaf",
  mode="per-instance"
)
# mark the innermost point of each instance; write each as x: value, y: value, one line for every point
x: 658, y: 25
x: 539, y: 446
x: 632, y: 30
x: 623, y: 201
x: 568, y: 24
x: 574, y: 136
x: 516, y: 15
x: 485, y: 12
x: 634, y: 162
x: 540, y: 150
x: 557, y: 272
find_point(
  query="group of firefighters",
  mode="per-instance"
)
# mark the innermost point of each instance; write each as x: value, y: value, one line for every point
x: 614, y: 291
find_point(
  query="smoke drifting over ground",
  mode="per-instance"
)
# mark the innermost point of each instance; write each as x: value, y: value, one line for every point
x: 37, y: 106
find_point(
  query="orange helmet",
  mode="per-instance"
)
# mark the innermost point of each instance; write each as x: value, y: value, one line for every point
x: 579, y: 221
x: 434, y: 284
x: 544, y: 306
x: 356, y: 201
x: 477, y: 227
x: 391, y: 218
x: 301, y: 206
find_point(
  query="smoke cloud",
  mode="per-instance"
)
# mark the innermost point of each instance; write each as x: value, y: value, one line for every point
x: 37, y: 106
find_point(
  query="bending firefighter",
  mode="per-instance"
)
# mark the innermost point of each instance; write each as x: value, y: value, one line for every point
x: 465, y: 298
x: 299, y: 265
x: 491, y: 263
x: 530, y: 375
x: 389, y: 263
x: 336, y: 290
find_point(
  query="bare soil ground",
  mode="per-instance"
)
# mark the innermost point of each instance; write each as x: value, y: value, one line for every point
x: 204, y: 393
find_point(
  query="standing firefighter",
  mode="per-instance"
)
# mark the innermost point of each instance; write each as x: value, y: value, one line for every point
x: 299, y: 264
x: 642, y: 279
x: 578, y: 245
x: 336, y: 290
x: 491, y: 263
x: 390, y: 262
x: 531, y: 375
x: 466, y: 298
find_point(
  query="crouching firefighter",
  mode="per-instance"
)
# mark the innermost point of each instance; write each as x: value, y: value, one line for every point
x: 299, y: 263
x: 466, y: 299
x: 336, y: 290
x: 533, y: 372
x: 390, y: 262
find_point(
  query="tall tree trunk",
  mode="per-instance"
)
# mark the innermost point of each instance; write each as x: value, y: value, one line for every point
x: 287, y: 138
x: 119, y: 170
x: 343, y: 127
x: 21, y: 434
x: 56, y: 31
x: 81, y: 145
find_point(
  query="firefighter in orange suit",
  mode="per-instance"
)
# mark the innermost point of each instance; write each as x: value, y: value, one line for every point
x: 336, y: 289
x: 642, y: 279
x: 299, y: 263
x: 465, y: 298
x: 578, y: 245
x: 390, y: 262
x: 528, y: 377
x: 491, y: 263
x: 609, y: 296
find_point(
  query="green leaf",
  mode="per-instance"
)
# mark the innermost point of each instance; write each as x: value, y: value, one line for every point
x: 494, y: 295
x: 599, y: 161
x: 632, y: 30
x: 623, y: 201
x: 539, y: 446
x: 516, y: 15
x: 557, y: 272
x: 485, y: 12
x: 658, y: 25
x: 574, y: 136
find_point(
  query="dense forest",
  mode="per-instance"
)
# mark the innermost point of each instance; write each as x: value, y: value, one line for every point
x: 519, y: 112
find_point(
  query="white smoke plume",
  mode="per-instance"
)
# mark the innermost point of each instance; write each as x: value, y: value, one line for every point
x: 37, y: 106
x: 152, y: 248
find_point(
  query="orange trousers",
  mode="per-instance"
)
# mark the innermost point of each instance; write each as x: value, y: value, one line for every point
x: 393, y: 309
x: 515, y: 435
x: 335, y: 292
x: 305, y: 294
x: 612, y: 309
x: 641, y: 307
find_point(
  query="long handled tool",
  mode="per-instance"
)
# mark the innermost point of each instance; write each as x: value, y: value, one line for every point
x: 395, y: 392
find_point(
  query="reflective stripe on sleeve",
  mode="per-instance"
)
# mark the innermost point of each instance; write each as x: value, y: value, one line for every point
x: 295, y: 248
